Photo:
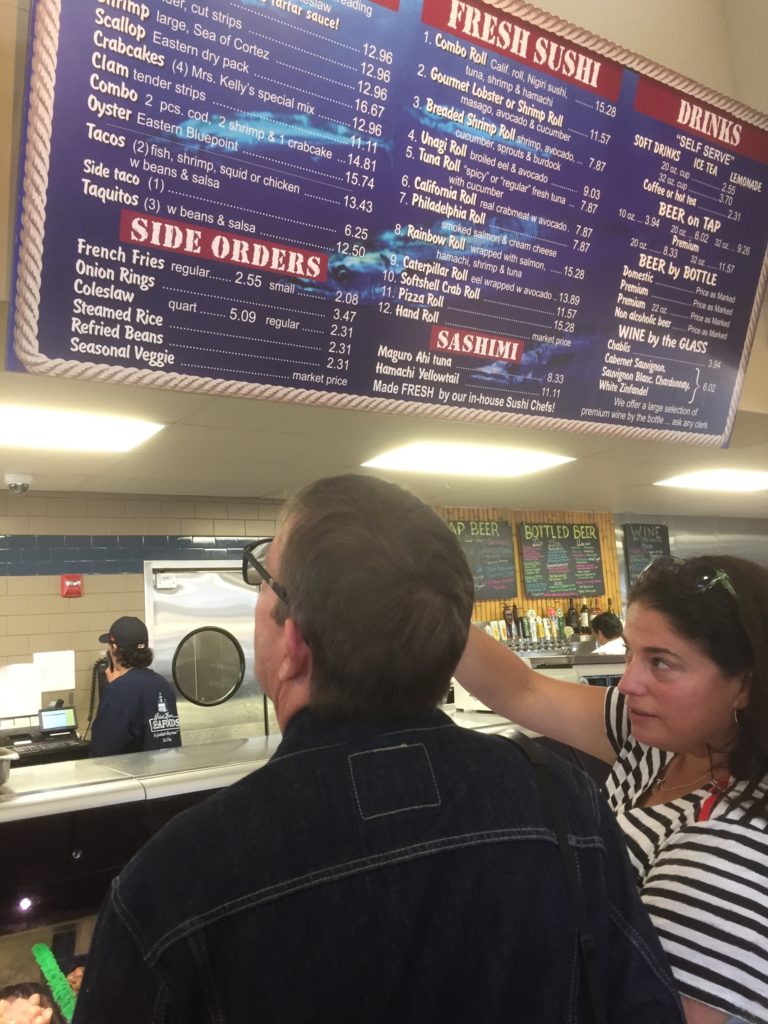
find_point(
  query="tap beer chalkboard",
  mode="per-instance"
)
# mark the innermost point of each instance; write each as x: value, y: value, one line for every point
x: 491, y: 556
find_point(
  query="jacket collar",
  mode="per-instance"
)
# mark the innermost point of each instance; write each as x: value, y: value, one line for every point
x: 308, y: 729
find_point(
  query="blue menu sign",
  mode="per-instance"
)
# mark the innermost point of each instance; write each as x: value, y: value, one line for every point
x: 428, y: 206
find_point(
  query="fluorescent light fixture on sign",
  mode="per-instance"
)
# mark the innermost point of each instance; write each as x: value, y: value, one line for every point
x: 741, y: 480
x: 24, y: 426
x: 481, y: 460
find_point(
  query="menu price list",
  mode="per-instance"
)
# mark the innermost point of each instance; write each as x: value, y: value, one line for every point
x: 436, y: 204
x: 643, y: 542
x: 489, y: 549
x: 561, y: 558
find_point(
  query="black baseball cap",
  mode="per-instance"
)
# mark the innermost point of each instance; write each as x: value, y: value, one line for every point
x: 126, y: 632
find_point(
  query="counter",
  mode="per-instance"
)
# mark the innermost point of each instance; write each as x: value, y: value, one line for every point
x: 67, y: 786
x: 68, y: 828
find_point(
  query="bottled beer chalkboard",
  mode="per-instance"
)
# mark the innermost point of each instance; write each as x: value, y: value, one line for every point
x: 561, y: 559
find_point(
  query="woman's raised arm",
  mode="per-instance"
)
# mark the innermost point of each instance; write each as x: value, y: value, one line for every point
x: 569, y: 712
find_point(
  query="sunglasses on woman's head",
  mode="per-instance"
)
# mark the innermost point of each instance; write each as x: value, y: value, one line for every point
x: 697, y: 578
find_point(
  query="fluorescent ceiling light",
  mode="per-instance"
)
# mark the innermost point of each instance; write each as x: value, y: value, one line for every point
x: 23, y: 426
x: 719, y: 480
x: 448, y: 459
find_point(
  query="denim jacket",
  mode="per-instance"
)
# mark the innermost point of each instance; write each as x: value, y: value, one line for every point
x: 373, y: 873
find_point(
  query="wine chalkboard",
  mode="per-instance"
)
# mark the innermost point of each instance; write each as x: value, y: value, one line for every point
x: 642, y: 543
x: 561, y: 558
x: 490, y: 553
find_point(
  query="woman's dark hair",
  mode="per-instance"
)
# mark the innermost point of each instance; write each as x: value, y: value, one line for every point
x: 132, y: 657
x: 720, y: 603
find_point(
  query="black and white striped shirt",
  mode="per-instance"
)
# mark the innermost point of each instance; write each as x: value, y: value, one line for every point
x: 703, y: 876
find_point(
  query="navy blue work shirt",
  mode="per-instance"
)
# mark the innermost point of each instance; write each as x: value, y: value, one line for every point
x: 137, y: 711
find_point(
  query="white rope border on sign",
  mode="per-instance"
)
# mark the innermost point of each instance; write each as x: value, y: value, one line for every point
x: 32, y: 231
x: 35, y: 184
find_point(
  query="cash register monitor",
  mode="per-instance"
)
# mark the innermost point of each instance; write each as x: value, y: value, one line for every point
x: 57, y: 722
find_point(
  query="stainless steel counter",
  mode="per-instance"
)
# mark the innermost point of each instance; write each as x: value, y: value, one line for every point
x: 105, y: 781
x: 49, y: 789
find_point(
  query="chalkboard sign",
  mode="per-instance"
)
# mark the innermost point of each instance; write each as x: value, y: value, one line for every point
x: 414, y: 207
x: 561, y: 559
x: 491, y: 556
x: 642, y: 543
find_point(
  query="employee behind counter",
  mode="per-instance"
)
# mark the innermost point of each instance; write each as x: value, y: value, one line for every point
x: 609, y: 634
x: 137, y: 710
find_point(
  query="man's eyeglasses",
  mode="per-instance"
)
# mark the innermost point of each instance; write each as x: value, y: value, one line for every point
x: 699, y: 578
x: 255, y: 572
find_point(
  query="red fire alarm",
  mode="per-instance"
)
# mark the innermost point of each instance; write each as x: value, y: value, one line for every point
x: 72, y: 586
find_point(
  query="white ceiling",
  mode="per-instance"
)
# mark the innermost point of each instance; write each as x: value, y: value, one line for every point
x: 244, y: 448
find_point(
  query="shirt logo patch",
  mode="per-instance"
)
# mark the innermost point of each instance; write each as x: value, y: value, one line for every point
x: 162, y: 724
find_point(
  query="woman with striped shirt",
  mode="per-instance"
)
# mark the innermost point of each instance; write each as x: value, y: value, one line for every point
x: 686, y: 731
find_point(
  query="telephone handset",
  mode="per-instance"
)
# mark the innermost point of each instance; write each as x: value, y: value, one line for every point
x: 99, y: 682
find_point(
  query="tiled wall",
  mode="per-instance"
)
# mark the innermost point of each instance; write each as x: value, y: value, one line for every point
x: 40, y: 555
x: 80, y: 515
x: 107, y: 539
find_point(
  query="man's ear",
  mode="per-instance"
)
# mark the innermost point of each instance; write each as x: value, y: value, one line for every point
x: 297, y: 657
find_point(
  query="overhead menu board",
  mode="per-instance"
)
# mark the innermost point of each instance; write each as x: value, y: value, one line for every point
x: 642, y: 543
x: 429, y: 206
x: 561, y: 559
x: 491, y: 556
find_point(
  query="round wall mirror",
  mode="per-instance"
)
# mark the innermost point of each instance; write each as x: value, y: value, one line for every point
x: 208, y: 666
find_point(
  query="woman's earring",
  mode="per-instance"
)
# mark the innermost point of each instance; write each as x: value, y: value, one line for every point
x: 736, y: 715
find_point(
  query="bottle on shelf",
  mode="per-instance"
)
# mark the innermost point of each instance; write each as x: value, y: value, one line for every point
x: 584, y: 619
x: 510, y: 622
x: 525, y: 628
x: 573, y: 617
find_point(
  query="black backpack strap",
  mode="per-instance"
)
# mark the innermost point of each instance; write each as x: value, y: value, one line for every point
x: 543, y: 768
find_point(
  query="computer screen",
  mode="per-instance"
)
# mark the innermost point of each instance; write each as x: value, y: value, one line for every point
x: 57, y: 719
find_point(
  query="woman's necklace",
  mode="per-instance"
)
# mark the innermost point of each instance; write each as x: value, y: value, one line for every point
x: 686, y: 785
x: 659, y: 784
